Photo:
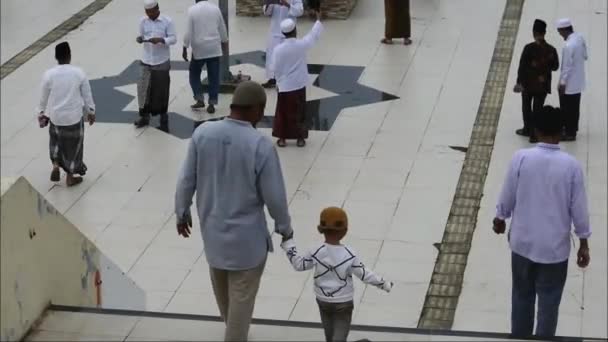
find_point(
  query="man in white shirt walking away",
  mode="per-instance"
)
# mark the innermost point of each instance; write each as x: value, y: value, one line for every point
x: 572, y: 78
x: 207, y: 35
x: 544, y: 195
x: 278, y: 10
x: 290, y: 66
x: 156, y: 33
x: 66, y: 94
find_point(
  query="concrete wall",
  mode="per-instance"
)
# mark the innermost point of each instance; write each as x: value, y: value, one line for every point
x: 46, y: 259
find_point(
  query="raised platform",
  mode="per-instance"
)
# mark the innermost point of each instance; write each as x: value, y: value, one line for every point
x: 332, y: 9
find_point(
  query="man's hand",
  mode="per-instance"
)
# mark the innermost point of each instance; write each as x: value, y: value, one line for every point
x: 518, y: 88
x: 91, y: 119
x: 499, y: 226
x: 582, y: 257
x: 183, y: 229
x: 287, y: 237
x: 185, y: 54
x: 139, y: 40
x: 561, y: 88
x: 157, y: 40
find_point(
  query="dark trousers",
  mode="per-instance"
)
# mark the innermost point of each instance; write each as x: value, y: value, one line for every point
x: 531, y: 103
x: 213, y: 78
x: 530, y: 280
x: 571, y: 111
x: 336, y: 318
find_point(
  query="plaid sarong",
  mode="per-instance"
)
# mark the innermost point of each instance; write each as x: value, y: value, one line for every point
x: 153, y: 88
x: 66, y: 146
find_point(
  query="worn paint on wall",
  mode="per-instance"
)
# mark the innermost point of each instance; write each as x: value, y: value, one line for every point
x: 46, y: 259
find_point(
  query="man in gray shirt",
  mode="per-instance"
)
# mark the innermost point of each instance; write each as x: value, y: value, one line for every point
x: 235, y: 171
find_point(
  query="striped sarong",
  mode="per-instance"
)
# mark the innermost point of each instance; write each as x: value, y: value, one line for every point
x: 153, y: 88
x: 66, y: 146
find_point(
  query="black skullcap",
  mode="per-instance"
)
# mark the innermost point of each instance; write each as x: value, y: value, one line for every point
x: 548, y: 120
x: 62, y: 51
x: 539, y: 26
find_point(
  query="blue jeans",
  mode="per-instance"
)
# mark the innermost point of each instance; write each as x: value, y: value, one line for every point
x: 530, y: 280
x: 213, y: 76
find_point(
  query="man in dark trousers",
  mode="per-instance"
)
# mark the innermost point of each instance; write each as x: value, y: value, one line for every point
x: 572, y: 78
x: 537, y: 62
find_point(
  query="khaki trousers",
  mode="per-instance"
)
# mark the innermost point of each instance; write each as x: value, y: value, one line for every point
x: 235, y: 293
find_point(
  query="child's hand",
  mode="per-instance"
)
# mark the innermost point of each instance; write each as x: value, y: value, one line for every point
x: 388, y: 286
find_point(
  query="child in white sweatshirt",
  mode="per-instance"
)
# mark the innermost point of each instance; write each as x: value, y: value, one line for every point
x: 334, y: 265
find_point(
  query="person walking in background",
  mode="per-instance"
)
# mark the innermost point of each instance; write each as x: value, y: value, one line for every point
x: 572, y: 78
x: 543, y: 194
x: 289, y: 64
x: 156, y: 33
x: 234, y: 170
x: 334, y: 265
x: 66, y: 92
x: 278, y: 11
x: 398, y: 22
x: 537, y: 62
x: 206, y: 33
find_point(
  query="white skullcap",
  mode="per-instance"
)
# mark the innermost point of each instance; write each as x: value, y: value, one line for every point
x: 150, y: 4
x: 563, y: 23
x: 288, y: 25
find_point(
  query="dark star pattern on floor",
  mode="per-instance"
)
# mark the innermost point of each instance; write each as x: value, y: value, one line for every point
x: 322, y: 113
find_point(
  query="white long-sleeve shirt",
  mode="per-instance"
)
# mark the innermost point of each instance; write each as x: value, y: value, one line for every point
x: 66, y: 95
x: 206, y: 30
x: 574, y: 55
x: 278, y: 13
x: 334, y: 267
x: 289, y: 62
x: 162, y: 27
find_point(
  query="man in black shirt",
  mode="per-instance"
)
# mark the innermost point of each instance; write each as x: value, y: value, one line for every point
x: 537, y: 62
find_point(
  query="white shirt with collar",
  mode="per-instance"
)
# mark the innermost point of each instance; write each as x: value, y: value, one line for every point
x: 289, y: 62
x: 162, y: 27
x: 66, y: 94
x: 206, y: 30
x: 574, y: 55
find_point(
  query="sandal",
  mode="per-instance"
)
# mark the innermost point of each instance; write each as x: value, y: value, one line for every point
x: 72, y: 181
x: 386, y: 41
x: 281, y: 143
x: 301, y: 143
x: 55, y: 175
x: 407, y: 41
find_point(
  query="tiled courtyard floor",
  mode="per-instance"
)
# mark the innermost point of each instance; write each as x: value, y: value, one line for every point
x: 389, y: 164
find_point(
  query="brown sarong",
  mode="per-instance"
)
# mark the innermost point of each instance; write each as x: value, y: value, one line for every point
x: 290, y: 117
x: 66, y: 147
x: 398, y: 23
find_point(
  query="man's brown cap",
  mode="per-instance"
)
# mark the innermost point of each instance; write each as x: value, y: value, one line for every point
x: 248, y: 94
x: 333, y: 218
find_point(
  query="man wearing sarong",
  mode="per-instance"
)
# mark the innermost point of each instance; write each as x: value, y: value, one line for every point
x: 156, y: 33
x: 289, y: 65
x: 66, y: 95
x: 398, y: 21
x: 537, y: 62
x: 278, y: 11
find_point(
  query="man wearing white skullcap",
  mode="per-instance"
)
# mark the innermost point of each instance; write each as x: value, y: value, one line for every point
x: 572, y: 78
x: 290, y: 68
x: 156, y: 33
x: 278, y: 11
